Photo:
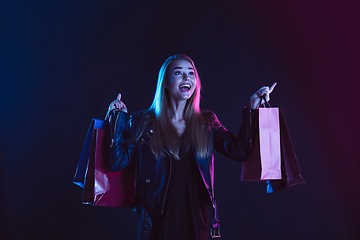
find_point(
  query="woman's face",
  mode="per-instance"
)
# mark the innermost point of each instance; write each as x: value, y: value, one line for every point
x: 181, y: 80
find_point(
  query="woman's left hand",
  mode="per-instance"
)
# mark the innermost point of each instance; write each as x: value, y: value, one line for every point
x: 255, y: 99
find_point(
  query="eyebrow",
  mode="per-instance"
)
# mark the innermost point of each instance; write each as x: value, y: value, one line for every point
x: 182, y: 68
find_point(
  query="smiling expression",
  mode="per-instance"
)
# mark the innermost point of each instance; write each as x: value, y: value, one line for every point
x: 181, y: 82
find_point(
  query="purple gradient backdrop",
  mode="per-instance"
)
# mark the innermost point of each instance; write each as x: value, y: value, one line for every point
x: 318, y: 42
x: 63, y: 62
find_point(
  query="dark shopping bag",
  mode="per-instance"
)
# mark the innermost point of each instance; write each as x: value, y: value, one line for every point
x: 290, y: 171
x: 102, y: 186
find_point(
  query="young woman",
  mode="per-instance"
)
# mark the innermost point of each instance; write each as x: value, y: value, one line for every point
x: 171, y: 145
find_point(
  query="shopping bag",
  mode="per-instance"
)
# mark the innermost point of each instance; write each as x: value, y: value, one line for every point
x: 264, y: 161
x: 291, y: 175
x: 269, y: 137
x: 290, y: 171
x: 102, y: 186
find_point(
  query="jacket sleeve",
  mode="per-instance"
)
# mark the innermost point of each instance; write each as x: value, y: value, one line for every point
x: 122, y: 147
x: 229, y: 145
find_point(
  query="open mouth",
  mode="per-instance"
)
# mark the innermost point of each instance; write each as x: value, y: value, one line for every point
x: 185, y: 87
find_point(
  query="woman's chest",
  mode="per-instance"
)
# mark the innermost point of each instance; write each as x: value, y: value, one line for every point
x: 179, y: 126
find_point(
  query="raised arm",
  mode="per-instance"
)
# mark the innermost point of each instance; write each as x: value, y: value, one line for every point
x: 237, y: 147
x: 122, y: 146
x: 228, y: 144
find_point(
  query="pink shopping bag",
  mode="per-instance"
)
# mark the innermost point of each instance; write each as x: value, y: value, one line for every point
x: 269, y: 137
x: 252, y: 168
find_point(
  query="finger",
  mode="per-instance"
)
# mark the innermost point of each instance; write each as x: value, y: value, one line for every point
x: 272, y: 87
x: 263, y: 88
x: 263, y: 91
x: 258, y: 92
x: 265, y: 96
x: 119, y: 97
x: 115, y: 104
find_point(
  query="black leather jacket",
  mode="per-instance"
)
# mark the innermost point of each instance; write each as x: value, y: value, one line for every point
x: 153, y: 175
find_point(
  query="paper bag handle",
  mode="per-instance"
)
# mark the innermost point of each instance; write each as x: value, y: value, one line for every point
x: 263, y: 104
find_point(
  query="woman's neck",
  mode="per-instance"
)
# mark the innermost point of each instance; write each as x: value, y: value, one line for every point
x: 177, y: 110
x: 176, y: 113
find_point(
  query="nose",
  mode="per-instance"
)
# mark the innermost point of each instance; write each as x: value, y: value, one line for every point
x: 186, y: 76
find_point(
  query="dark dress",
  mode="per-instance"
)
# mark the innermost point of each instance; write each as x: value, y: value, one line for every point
x: 185, y: 213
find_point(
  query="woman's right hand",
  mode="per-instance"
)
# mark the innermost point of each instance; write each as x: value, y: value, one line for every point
x: 117, y: 104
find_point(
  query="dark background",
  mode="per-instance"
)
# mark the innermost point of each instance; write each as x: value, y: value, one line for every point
x: 63, y: 62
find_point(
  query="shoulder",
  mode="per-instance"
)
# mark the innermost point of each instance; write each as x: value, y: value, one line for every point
x: 211, y: 118
x: 208, y: 115
x: 140, y: 118
x: 141, y: 114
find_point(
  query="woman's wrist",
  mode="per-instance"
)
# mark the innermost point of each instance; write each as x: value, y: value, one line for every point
x: 253, y: 104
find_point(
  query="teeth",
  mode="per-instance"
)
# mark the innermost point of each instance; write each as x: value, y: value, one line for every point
x: 185, y: 85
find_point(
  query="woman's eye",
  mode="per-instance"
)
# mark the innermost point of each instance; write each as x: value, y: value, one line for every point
x: 191, y: 73
x: 177, y: 73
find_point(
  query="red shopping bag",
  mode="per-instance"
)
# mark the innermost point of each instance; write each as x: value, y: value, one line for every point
x: 102, y: 186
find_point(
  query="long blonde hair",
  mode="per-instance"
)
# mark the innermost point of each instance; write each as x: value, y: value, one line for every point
x: 196, y: 131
